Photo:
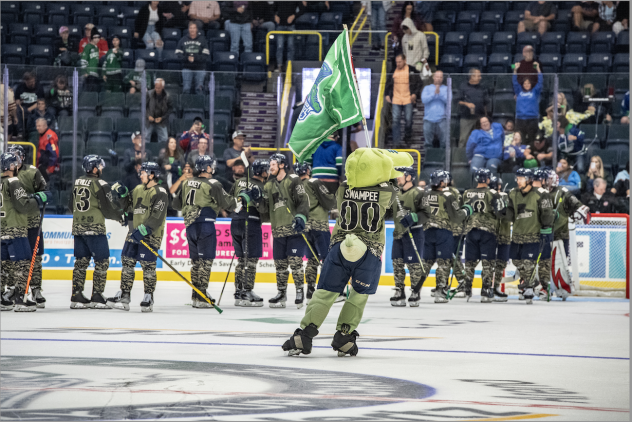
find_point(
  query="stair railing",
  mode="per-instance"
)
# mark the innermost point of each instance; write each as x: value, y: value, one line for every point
x: 352, y: 38
x: 379, y: 104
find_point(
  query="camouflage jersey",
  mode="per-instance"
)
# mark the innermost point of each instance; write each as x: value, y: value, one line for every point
x: 32, y: 181
x: 320, y: 203
x: 15, y: 205
x: 529, y: 212
x: 445, y: 210
x: 503, y: 226
x: 200, y: 199
x: 362, y: 212
x: 255, y: 211
x: 457, y: 227
x: 486, y: 204
x: 91, y: 203
x: 566, y: 204
x: 149, y: 207
x: 412, y: 201
x: 278, y: 197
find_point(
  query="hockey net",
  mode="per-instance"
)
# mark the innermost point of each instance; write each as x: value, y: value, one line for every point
x: 603, y: 256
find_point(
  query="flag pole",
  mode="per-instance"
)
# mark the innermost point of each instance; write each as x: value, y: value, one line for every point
x: 355, y: 84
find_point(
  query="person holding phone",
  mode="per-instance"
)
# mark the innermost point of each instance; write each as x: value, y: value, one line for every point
x: 189, y: 140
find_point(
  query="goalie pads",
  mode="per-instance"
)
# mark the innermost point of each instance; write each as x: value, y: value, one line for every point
x: 560, y: 277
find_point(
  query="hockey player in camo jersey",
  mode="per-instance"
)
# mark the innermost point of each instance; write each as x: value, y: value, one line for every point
x: 411, y: 217
x: 531, y: 211
x: 317, y: 228
x: 200, y: 199
x: 147, y: 203
x: 480, y: 230
x: 287, y: 203
x: 33, y: 181
x: 15, y: 206
x: 256, y: 214
x: 503, y: 235
x: 91, y: 203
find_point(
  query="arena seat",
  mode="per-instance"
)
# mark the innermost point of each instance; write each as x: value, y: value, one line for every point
x: 599, y: 63
x: 20, y: 33
x: 41, y: 55
x: 478, y: 61
x: 171, y: 37
x: 491, y: 21
x: 454, y: 42
x: 33, y: 12
x: 602, y: 42
x: 254, y: 66
x: 512, y: 18
x: 574, y: 63
x: 577, y: 42
x: 82, y: 14
x: 552, y: 42
x: 503, y: 42
x: 499, y: 63
x: 58, y: 13
x: 46, y: 34
x: 14, y: 54
x: 621, y: 63
x: 467, y: 21
x: 451, y: 63
x: 528, y: 38
x: 107, y: 15
x: 479, y: 43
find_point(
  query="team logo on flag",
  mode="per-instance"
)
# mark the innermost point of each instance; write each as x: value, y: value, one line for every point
x: 312, y: 105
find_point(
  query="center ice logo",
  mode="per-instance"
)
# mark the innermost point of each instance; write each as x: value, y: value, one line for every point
x: 312, y: 105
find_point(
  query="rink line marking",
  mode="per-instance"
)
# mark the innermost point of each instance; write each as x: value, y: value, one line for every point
x: 315, y: 347
x: 328, y: 397
x: 515, y: 418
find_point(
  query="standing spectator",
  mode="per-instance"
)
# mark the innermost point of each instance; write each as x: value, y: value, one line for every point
x: 262, y: 16
x: 133, y: 157
x: 571, y: 142
x: 149, y: 23
x: 607, y: 16
x: 516, y: 156
x: 41, y: 112
x: 132, y: 81
x: 569, y: 178
x: 326, y: 163
x: 26, y: 95
x: 408, y: 11
x: 527, y: 105
x: 194, y: 52
x: 435, y: 98
x: 102, y: 44
x: 176, y: 13
x: 202, y: 149
x: 542, y: 150
x: 414, y: 45
x: 112, y: 73
x: 402, y: 91
x: 189, y: 140
x: 171, y: 161
x: 48, y: 159
x: 596, y: 170
x: 60, y: 97
x: 509, y: 132
x: 527, y: 69
x: 378, y: 22
x: 599, y: 200
x: 625, y: 109
x: 90, y: 64
x: 205, y: 12
x: 65, y: 49
x: 485, y: 145
x: 286, y: 14
x: 473, y: 103
x: 12, y: 118
x: 159, y: 106
x: 585, y: 15
x: 240, y: 27
x: 231, y: 155
x: 538, y: 16
x: 425, y: 10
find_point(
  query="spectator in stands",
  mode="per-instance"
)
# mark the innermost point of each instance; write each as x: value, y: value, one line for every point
x: 622, y: 19
x: 585, y: 15
x: 26, y: 95
x: 435, y: 99
x: 12, y: 118
x: 415, y: 45
x: 538, y: 17
x: 231, y: 155
x: 202, y: 149
x: 621, y: 186
x: 133, y: 157
x: 112, y: 73
x: 402, y: 90
x: 65, y: 49
x: 569, y: 178
x: 485, y: 145
x: 542, y: 150
x: 570, y: 142
x: 193, y: 50
x: 189, y: 140
x: 326, y: 163
x: 527, y: 69
x: 102, y: 44
x: 187, y: 173
x: 598, y: 112
x: 408, y: 11
x: 473, y: 104
x: 48, y: 159
x: 159, y: 107
x: 171, y: 160
x: 572, y: 116
x: 239, y: 27
x: 239, y: 171
x: 378, y: 11
x: 132, y: 81
x: 422, y: 184
x: 90, y: 64
x: 59, y: 97
x: 509, y: 132
x: 425, y: 10
x: 596, y: 170
x: 515, y: 155
x: 285, y: 17
x: 149, y: 23
x: 41, y: 112
x: 262, y: 16
x: 625, y: 109
x: 207, y: 13
x: 176, y: 13
x: 607, y: 16
x: 599, y: 200
x: 527, y: 104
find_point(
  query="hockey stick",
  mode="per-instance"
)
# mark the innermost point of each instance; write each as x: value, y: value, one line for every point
x: 225, y: 280
x: 39, y: 235
x: 452, y: 292
x: 247, y: 164
x: 181, y: 276
x: 303, y: 234
x: 399, y: 205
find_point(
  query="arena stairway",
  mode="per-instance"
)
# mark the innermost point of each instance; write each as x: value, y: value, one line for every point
x: 259, y: 120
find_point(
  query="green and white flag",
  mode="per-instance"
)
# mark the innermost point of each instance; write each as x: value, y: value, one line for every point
x: 333, y: 102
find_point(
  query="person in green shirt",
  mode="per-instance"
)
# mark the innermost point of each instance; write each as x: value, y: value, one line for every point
x: 90, y: 64
x: 112, y: 73
x: 132, y: 80
x: 503, y: 235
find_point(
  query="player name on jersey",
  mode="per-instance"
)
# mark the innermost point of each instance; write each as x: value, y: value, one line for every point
x: 362, y: 195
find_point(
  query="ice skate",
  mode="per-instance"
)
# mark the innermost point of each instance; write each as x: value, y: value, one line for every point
x: 468, y: 292
x: 341, y: 298
x: 301, y: 341
x: 542, y: 293
x: 239, y: 297
x: 79, y: 301
x: 432, y: 292
x: 499, y: 296
x: 487, y: 295
x: 299, y: 298
x: 97, y: 301
x: 7, y: 300
x: 201, y: 303
x: 24, y: 306
x: 344, y: 342
x: 279, y: 300
x: 147, y: 305
x: 413, y: 300
x: 521, y: 289
x: 460, y: 292
x: 250, y: 299
x: 440, y: 297
x: 399, y: 298
x: 528, y: 296
x: 310, y: 292
x: 120, y: 301
x: 36, y: 292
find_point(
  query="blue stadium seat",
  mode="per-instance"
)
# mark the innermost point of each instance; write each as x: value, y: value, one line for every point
x: 129, y: 13
x: 504, y: 106
x: 224, y: 61
x: 491, y: 21
x: 519, y: 5
x: 254, y: 66
x: 577, y: 42
x: 128, y: 59
x: 46, y: 34
x: 103, y: 31
x: 150, y: 57
x: 171, y: 37
x: 599, y: 63
x: 478, y: 61
x: 33, y: 12
x: 467, y: 21
x: 503, y: 42
x: 454, y: 43
x: 124, y: 33
x: 307, y: 21
x: 574, y: 63
x: 58, y: 13
x: 550, y: 62
x: 512, y: 18
x: 112, y: 104
x: 621, y: 83
x: 107, y: 15
x: 498, y: 63
x: 552, y: 42
x: 10, y: 11
x: 218, y: 40
x: 20, y: 33
x: 299, y: 46
x: 170, y: 60
x: 475, y: 5
x: 341, y: 7
x: 82, y: 14
x: 451, y: 63
x: 563, y: 20
x: 498, y: 6
x: 13, y: 54
x: 602, y: 42
x: 455, y: 6
x: 75, y: 32
x: 87, y: 105
x: 623, y: 42
x: 528, y: 38
x: 330, y: 21
x: 621, y: 63
x: 479, y: 42
x: 192, y: 105
x: 41, y: 55
x: 444, y: 20
x: 311, y: 46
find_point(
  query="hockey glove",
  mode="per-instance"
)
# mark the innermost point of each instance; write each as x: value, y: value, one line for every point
x: 250, y: 195
x: 140, y: 233
x: 120, y: 189
x: 409, y: 220
x: 299, y: 223
x: 468, y: 209
x: 582, y: 214
x: 42, y: 197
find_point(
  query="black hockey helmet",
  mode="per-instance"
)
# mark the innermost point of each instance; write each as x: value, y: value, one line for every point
x: 150, y: 168
x: 203, y: 161
x: 260, y: 166
x: 17, y: 150
x: 9, y: 159
x: 408, y: 171
x: 494, y: 182
x: 301, y: 168
x: 279, y: 158
x: 526, y: 173
x: 91, y: 161
x: 482, y: 175
x: 439, y: 176
x: 540, y: 175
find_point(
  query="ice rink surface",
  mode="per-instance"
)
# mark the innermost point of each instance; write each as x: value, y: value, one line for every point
x: 456, y: 361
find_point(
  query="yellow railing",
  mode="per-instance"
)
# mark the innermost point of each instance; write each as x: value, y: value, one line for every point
x: 320, y: 41
x: 380, y: 103
x: 355, y: 22
x: 418, y: 158
x: 388, y: 34
x: 27, y: 144
x: 274, y: 149
x: 285, y: 97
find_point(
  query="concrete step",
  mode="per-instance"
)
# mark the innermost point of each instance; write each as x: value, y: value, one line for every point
x: 259, y: 103
x: 251, y: 120
x: 258, y: 128
x: 251, y: 95
x: 255, y: 111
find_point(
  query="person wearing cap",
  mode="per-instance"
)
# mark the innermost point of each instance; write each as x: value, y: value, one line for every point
x: 231, y: 155
x: 132, y: 80
x: 193, y: 51
x: 132, y: 157
x: 90, y: 63
x: 64, y: 44
x: 102, y: 44
x: 112, y: 74
x: 159, y: 106
x: 190, y: 139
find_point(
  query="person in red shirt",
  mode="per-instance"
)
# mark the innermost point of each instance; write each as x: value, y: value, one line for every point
x: 103, y: 44
x: 48, y: 159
